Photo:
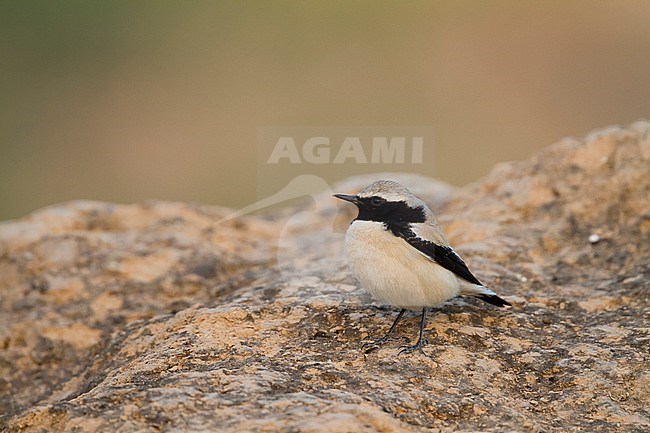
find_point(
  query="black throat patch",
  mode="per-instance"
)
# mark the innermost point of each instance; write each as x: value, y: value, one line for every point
x: 370, y: 209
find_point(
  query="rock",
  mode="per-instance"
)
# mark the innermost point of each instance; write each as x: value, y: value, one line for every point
x: 166, y: 316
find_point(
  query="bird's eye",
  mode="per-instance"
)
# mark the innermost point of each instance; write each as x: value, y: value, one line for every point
x: 376, y: 201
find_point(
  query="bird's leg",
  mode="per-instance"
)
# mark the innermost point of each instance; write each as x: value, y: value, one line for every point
x: 420, y: 343
x: 376, y: 343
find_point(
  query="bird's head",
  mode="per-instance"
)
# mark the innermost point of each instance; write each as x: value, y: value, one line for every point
x: 387, y: 200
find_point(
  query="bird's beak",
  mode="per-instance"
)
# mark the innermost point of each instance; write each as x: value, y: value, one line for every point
x: 351, y: 198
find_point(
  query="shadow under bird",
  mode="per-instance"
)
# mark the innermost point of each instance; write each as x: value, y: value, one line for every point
x: 396, y: 250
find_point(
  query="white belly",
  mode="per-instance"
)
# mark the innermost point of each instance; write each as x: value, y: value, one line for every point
x: 393, y: 271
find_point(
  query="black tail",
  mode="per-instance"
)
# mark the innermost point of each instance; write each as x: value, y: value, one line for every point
x: 493, y: 299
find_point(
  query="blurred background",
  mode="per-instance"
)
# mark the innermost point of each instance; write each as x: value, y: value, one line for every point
x: 124, y: 101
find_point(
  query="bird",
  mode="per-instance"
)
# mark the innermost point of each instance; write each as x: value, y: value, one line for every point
x: 397, y: 251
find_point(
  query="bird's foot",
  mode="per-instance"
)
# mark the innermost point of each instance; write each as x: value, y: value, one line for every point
x: 371, y: 346
x: 417, y: 346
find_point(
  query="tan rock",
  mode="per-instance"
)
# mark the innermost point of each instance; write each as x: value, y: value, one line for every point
x: 166, y: 316
x: 77, y: 335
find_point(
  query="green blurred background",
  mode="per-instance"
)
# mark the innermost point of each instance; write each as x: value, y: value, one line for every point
x: 129, y: 100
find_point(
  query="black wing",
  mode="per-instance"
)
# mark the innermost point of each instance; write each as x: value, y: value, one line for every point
x: 443, y: 255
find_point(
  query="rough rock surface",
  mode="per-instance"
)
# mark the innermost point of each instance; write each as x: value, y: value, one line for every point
x: 162, y: 317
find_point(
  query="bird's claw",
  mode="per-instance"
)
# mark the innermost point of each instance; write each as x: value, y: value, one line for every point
x: 371, y: 346
x: 417, y: 346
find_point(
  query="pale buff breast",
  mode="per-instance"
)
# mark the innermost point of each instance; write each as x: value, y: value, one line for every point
x: 393, y: 271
